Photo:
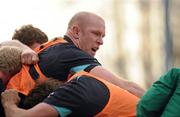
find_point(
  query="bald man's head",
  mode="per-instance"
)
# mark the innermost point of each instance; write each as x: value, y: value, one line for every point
x: 83, y: 18
x: 86, y: 30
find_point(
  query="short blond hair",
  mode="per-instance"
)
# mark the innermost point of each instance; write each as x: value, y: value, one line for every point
x: 10, y: 59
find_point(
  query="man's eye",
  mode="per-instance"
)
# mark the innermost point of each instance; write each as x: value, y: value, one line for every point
x: 96, y: 33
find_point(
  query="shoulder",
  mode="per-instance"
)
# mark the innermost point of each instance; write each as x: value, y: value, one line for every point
x: 64, y: 48
x: 80, y: 94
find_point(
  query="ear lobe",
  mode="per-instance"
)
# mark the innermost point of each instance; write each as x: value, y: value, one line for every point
x: 76, y: 31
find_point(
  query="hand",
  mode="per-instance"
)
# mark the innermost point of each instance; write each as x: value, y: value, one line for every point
x: 29, y: 56
x: 9, y: 97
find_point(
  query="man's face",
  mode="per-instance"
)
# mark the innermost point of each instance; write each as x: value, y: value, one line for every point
x: 91, y: 36
x: 4, y: 77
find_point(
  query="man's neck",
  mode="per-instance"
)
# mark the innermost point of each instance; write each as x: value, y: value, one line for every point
x: 70, y: 37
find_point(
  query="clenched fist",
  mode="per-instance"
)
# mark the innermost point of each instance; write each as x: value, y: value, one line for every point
x: 29, y: 56
x: 9, y: 97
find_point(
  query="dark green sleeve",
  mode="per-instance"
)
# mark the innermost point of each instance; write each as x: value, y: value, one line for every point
x: 157, y: 100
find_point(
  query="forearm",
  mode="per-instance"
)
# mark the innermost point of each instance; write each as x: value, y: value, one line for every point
x: 13, y: 111
x: 130, y: 86
x: 122, y: 83
x: 134, y: 88
x: 28, y: 56
x: 15, y: 43
x: 40, y: 110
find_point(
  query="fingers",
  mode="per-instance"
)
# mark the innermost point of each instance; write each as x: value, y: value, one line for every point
x: 10, y: 92
x: 10, y: 97
x: 7, y: 92
x: 26, y: 59
x: 29, y: 57
x: 35, y: 59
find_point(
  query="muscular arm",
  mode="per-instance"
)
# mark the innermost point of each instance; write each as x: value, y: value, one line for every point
x: 127, y: 85
x: 10, y: 99
x: 28, y: 56
x: 40, y: 110
x: 14, y: 43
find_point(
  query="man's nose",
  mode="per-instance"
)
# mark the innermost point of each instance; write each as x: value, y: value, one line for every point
x: 100, y: 41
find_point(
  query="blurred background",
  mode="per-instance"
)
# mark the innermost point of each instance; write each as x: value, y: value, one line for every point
x: 141, y: 40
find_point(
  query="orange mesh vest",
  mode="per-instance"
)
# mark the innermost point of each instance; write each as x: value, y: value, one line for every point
x: 121, y: 103
x: 22, y: 81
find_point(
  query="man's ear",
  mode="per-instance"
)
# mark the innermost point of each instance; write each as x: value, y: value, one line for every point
x: 76, y: 31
